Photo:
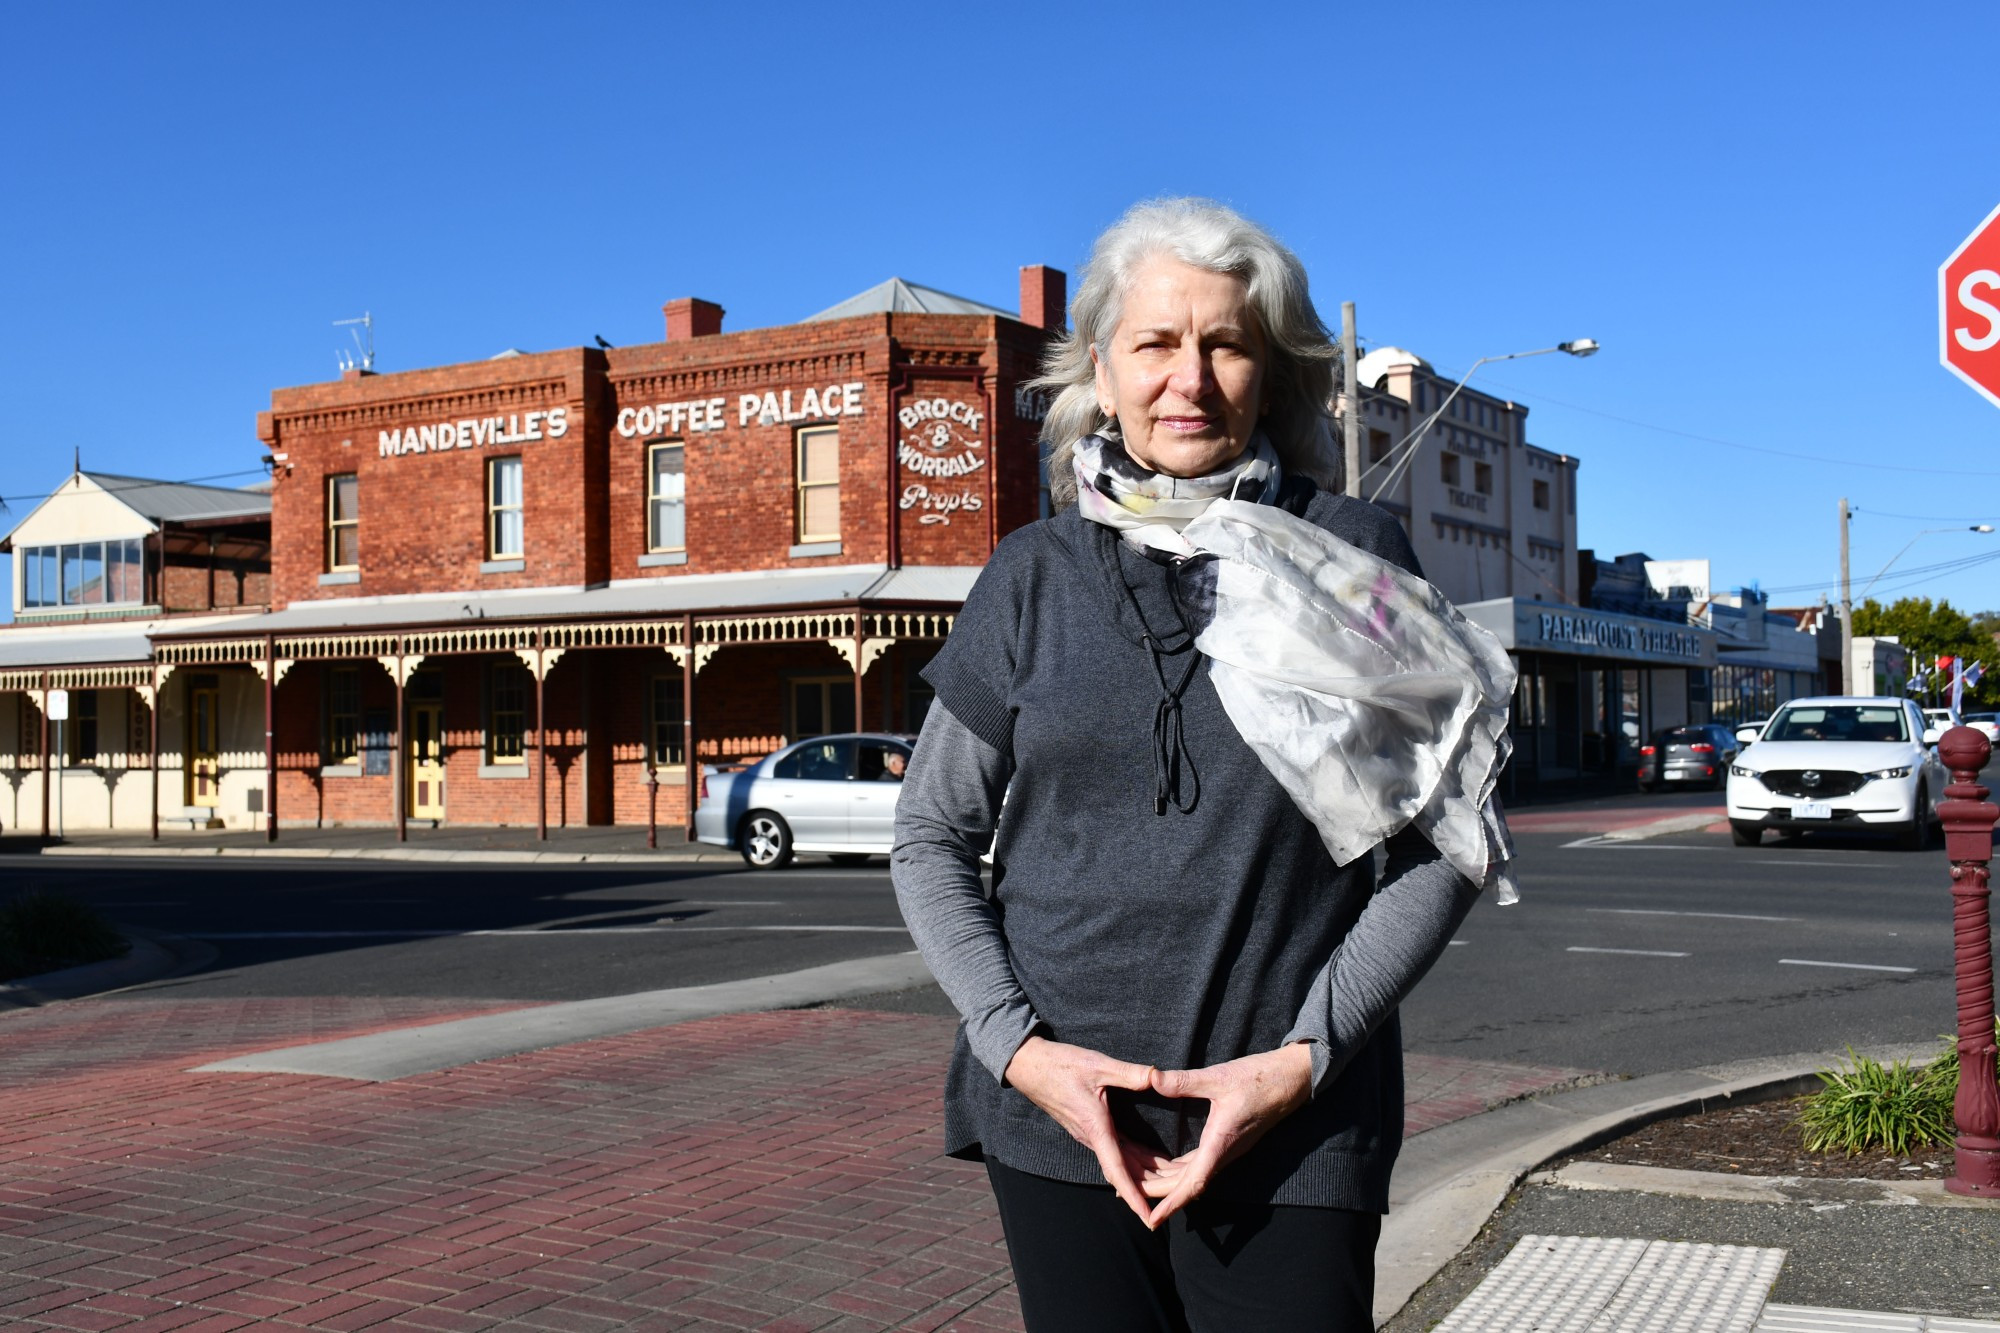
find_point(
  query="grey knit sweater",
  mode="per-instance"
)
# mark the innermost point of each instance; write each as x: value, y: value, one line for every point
x: 1180, y: 939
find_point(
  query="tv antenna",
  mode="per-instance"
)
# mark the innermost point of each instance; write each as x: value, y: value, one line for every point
x: 364, y: 343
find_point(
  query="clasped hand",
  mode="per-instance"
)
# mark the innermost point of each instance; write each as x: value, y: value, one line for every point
x: 1245, y: 1098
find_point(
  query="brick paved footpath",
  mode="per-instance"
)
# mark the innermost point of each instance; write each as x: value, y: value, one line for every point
x: 774, y: 1171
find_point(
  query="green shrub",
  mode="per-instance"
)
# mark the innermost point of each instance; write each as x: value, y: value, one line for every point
x: 42, y: 931
x: 1869, y: 1105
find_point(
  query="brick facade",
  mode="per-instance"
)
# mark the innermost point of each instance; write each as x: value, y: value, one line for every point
x: 936, y: 459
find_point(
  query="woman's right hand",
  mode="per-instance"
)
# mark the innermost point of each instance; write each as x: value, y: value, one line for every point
x: 1069, y: 1083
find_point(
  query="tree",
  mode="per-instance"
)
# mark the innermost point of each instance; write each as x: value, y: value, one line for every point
x: 1932, y: 630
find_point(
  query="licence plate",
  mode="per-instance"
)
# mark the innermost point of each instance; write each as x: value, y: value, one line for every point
x: 1812, y: 810
x: 1675, y: 775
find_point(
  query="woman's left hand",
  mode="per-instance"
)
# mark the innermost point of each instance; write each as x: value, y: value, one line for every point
x: 1245, y: 1098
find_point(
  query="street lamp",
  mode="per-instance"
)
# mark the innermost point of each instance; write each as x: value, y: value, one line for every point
x: 1976, y: 527
x: 1574, y: 347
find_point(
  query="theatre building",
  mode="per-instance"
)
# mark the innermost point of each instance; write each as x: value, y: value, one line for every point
x: 528, y: 590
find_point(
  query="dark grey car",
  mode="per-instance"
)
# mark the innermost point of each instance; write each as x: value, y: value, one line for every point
x: 1694, y: 756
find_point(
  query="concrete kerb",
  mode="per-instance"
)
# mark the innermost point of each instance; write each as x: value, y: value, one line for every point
x: 1660, y: 828
x: 150, y: 958
x: 404, y: 1052
x: 1451, y: 1179
x: 280, y: 852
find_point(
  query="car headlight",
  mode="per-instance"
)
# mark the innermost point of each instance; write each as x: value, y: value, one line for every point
x: 1881, y: 773
x: 1738, y: 771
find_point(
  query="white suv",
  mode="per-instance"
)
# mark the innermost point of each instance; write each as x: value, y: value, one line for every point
x: 1839, y: 763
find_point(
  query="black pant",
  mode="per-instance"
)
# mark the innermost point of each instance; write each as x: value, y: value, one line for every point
x: 1084, y: 1262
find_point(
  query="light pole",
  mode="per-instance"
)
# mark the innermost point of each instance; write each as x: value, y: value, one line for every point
x: 1574, y: 347
x: 1974, y: 527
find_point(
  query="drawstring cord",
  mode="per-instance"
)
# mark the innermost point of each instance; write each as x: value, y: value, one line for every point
x: 1169, y: 739
x: 1170, y: 754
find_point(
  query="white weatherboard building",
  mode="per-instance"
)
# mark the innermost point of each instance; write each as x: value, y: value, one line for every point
x: 99, y: 566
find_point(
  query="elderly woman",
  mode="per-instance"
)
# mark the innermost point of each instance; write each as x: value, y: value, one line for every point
x: 1193, y: 704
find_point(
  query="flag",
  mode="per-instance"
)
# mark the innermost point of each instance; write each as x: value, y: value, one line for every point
x: 1973, y: 673
x: 1944, y: 664
x: 1957, y: 691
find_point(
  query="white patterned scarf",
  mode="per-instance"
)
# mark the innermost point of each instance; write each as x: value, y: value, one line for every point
x: 1364, y: 692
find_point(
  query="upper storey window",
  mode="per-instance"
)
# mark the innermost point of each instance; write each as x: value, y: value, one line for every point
x: 666, y: 497
x: 819, y: 485
x: 343, y: 522
x: 84, y: 574
x: 504, y: 535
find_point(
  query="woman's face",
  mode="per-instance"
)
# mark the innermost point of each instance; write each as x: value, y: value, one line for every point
x: 1184, y: 375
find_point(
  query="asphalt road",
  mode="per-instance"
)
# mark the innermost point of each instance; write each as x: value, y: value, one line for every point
x: 1680, y: 952
x: 484, y: 932
x: 1647, y: 956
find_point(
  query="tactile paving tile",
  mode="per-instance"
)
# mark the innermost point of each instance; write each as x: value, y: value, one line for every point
x: 1808, y: 1319
x: 1598, y: 1284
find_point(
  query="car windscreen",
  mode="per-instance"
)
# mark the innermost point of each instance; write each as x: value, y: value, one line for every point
x: 1690, y: 736
x: 1839, y: 722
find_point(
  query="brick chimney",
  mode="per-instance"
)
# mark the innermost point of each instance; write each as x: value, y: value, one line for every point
x: 692, y: 317
x: 1044, y: 293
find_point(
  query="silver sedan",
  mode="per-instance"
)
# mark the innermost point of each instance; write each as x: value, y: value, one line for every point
x: 834, y: 794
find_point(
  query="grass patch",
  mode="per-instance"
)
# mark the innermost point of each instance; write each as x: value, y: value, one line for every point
x: 43, y: 932
x: 1868, y: 1105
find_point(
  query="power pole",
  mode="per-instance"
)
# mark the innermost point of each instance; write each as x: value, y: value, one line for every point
x: 1847, y: 612
x: 1350, y: 391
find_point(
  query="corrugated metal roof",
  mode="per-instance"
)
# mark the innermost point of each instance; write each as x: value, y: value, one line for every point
x: 899, y: 297
x: 655, y: 596
x: 125, y: 641
x: 176, y: 500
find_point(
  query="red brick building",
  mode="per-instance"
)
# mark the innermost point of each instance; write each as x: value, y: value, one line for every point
x: 518, y: 590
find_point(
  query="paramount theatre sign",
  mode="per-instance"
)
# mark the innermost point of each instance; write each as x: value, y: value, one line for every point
x: 1540, y: 627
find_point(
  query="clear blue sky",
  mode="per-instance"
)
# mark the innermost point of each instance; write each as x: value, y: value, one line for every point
x: 1746, y: 204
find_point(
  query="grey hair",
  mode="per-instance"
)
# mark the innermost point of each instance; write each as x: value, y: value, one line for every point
x: 1299, y: 378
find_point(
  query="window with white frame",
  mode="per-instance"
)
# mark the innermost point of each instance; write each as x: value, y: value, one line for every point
x: 343, y: 522
x: 819, y: 484
x: 109, y: 573
x: 666, y: 497
x: 503, y: 509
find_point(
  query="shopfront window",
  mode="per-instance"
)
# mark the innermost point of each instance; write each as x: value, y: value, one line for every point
x: 504, y: 534
x: 664, y: 724
x: 343, y: 522
x: 821, y: 705
x: 83, y: 727
x: 343, y: 716
x: 666, y: 497
x: 819, y: 485
x: 507, y: 714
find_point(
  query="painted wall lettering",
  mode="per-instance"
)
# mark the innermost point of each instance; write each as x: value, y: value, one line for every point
x: 477, y: 433
x: 695, y: 415
x: 938, y: 506
x: 776, y: 406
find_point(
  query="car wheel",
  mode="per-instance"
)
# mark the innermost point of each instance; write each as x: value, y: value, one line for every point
x: 1745, y: 835
x: 766, y: 840
x: 1915, y: 836
x: 848, y: 858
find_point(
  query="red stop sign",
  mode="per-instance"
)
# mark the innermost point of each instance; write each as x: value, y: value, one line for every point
x: 1969, y: 309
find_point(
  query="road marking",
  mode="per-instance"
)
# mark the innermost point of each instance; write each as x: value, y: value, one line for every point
x: 1456, y: 943
x: 1858, y: 967
x: 1637, y: 845
x: 1654, y: 911
x: 1643, y: 953
x: 538, y: 932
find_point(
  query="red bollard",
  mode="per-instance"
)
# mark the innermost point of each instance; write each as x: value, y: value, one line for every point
x: 1968, y: 840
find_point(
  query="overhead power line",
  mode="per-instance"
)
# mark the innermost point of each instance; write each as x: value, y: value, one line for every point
x: 1738, y: 444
